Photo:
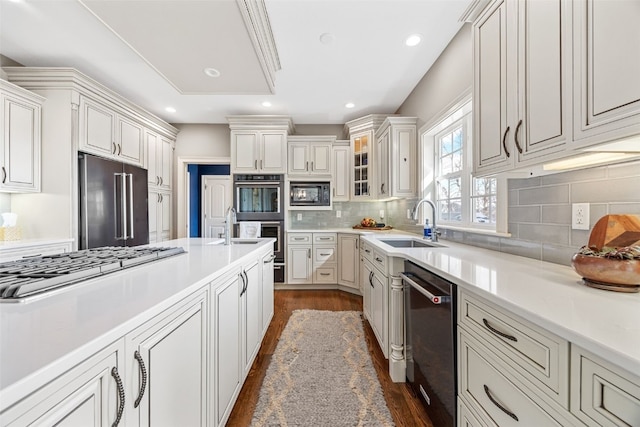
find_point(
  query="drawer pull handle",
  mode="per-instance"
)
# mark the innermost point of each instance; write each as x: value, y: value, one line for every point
x: 497, y: 332
x: 116, y: 376
x: 143, y: 370
x: 325, y: 254
x: 378, y: 259
x: 495, y: 402
x: 324, y: 238
x: 367, y: 251
x: 325, y: 274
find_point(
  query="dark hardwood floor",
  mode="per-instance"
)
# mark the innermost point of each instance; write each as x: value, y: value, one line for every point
x: 402, y: 402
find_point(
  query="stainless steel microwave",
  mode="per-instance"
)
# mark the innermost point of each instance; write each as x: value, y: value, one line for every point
x: 306, y: 193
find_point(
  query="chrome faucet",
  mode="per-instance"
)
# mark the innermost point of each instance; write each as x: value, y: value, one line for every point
x: 414, y: 215
x: 229, y: 219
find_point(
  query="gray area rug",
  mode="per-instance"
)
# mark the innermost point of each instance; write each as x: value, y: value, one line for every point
x: 321, y: 374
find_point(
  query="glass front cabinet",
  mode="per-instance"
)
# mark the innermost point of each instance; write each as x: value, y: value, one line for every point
x: 362, y: 138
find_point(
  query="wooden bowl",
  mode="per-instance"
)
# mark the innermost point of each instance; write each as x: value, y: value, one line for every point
x: 607, y: 270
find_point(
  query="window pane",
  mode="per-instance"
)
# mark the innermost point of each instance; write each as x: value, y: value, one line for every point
x: 457, y: 140
x: 445, y: 165
x: 445, y: 145
x: 457, y: 161
x: 443, y: 189
x: 455, y: 188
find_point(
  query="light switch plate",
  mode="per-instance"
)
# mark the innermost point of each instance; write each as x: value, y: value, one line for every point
x: 338, y: 214
x: 580, y: 216
x: 299, y: 217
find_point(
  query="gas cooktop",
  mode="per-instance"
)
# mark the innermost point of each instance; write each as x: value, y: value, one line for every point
x: 37, y: 275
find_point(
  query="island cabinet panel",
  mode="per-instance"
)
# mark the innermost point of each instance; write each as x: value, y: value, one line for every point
x: 87, y: 395
x: 267, y: 290
x: 251, y: 303
x: 160, y: 393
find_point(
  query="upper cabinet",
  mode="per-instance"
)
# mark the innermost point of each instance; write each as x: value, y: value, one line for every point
x: 361, y: 136
x: 341, y: 165
x: 396, y: 158
x: 259, y: 143
x: 521, y: 83
x: 20, y: 112
x: 159, y: 160
x: 606, y: 68
x: 109, y: 133
x: 310, y: 155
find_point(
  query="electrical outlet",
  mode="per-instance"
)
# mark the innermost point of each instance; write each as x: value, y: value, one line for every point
x: 408, y: 213
x: 381, y: 213
x: 299, y: 217
x: 338, y: 214
x: 580, y: 216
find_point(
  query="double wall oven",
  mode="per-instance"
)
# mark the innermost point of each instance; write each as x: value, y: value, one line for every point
x: 261, y: 198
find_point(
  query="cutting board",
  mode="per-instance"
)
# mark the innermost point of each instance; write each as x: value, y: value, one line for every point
x: 615, y: 231
x: 359, y: 227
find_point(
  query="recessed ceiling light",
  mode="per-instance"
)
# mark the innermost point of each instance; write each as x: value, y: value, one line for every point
x: 212, y: 72
x: 266, y: 104
x: 349, y: 105
x: 170, y: 110
x: 327, y: 38
x: 413, y: 40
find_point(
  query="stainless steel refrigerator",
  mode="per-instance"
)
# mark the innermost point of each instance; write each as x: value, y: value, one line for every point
x: 113, y: 202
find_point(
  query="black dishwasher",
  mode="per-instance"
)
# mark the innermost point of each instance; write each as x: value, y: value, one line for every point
x: 430, y: 332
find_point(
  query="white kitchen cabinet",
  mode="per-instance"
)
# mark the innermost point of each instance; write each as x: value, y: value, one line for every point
x: 159, y: 160
x: 310, y: 155
x: 267, y: 290
x: 299, y: 261
x: 159, y: 393
x: 374, y: 279
x: 110, y: 133
x: 348, y: 261
x: 226, y: 376
x: 87, y: 395
x: 606, y: 89
x: 522, y: 66
x: 251, y: 304
x: 362, y: 140
x: 396, y: 170
x: 20, y: 112
x: 341, y: 165
x: 160, y: 226
x: 602, y: 393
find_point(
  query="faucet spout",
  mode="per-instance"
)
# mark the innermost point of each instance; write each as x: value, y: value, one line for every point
x: 414, y: 215
x: 229, y: 219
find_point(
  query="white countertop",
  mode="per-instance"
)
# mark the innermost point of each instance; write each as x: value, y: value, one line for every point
x: 550, y: 295
x: 42, y: 337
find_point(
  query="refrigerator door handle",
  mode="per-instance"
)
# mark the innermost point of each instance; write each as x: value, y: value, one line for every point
x: 130, y: 206
x: 118, y: 177
x: 124, y: 206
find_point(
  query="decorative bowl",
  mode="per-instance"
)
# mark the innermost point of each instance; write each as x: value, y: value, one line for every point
x: 608, y: 271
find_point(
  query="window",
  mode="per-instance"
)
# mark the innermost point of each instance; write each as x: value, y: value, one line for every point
x: 462, y: 200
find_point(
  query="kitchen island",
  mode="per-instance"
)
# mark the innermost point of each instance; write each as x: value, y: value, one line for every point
x: 563, y: 353
x: 47, y: 342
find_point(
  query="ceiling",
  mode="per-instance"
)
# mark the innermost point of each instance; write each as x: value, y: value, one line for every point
x: 154, y: 52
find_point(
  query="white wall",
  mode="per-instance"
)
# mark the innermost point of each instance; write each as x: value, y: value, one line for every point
x: 203, y: 140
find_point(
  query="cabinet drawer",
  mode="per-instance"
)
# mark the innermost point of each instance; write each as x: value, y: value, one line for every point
x: 602, y: 393
x: 380, y: 261
x: 540, y: 356
x: 324, y: 238
x: 324, y: 275
x: 299, y: 238
x: 366, y: 250
x: 496, y: 396
x: 324, y: 255
x: 466, y: 417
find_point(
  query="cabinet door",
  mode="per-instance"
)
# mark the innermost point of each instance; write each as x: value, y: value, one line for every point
x: 490, y: 91
x: 227, y: 350
x: 341, y: 173
x: 362, y: 175
x: 87, y: 395
x: 252, y: 307
x: 403, y: 161
x: 348, y: 258
x: 377, y: 306
x: 167, y: 396
x: 541, y: 125
x: 164, y: 222
x: 273, y: 151
x: 320, y: 155
x: 382, y: 165
x: 299, y: 269
x: 153, y: 172
x: 298, y: 159
x: 155, y: 214
x: 267, y: 290
x: 130, y: 141
x: 366, y: 279
x: 606, y: 70
x: 165, y: 164
x: 244, y: 151
x: 97, y: 128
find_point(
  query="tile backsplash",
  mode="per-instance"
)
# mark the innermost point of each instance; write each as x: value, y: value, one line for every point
x: 351, y: 213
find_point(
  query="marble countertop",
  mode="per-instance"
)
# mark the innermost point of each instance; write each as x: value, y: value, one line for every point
x: 43, y: 337
x: 549, y: 295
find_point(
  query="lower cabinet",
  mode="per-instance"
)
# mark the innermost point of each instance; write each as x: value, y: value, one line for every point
x: 158, y: 392
x: 267, y: 290
x: 251, y: 300
x: 348, y: 256
x: 374, y: 282
x: 312, y: 258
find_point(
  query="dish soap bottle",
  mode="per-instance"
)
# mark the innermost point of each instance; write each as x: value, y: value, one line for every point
x: 427, y: 229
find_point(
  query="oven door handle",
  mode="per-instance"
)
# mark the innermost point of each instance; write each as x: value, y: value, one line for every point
x: 435, y: 299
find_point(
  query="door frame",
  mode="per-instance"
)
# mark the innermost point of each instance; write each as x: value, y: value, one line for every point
x: 181, y: 204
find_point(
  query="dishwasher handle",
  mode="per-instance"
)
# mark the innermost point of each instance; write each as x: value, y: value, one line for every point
x: 435, y: 299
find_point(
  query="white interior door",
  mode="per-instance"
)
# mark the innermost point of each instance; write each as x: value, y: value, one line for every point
x: 216, y: 198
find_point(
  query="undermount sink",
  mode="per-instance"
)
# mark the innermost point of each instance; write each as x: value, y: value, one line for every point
x: 410, y: 243
x: 234, y: 242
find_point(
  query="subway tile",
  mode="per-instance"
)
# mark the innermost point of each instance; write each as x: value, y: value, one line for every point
x: 629, y: 169
x: 524, y: 214
x: 544, y: 195
x: 597, y: 211
x: 558, y: 254
x: 579, y: 238
x: 517, y: 183
x: 521, y: 248
x: 557, y: 234
x: 512, y: 228
x: 610, y: 190
x: 590, y: 174
x: 624, y: 208
x: 556, y: 214
x: 513, y: 198
x: 482, y: 241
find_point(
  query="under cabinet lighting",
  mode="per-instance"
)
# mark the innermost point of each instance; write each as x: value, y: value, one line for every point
x: 585, y: 160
